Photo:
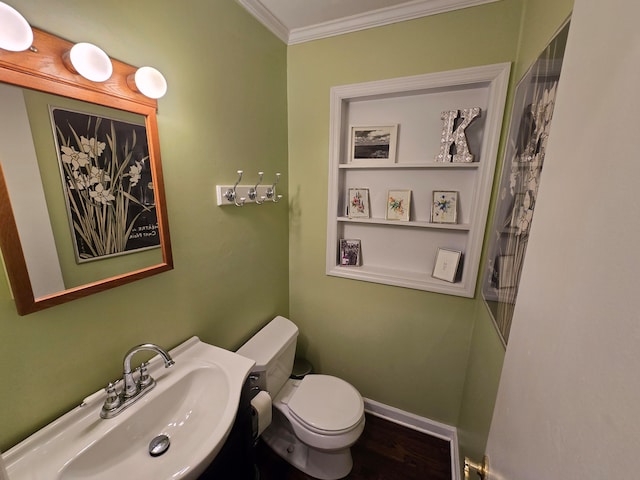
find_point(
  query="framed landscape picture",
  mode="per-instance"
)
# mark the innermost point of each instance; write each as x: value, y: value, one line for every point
x: 373, y: 144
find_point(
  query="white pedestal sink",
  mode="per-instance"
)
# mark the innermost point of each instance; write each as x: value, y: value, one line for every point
x: 194, y: 404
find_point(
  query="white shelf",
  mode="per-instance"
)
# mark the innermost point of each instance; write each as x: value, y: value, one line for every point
x: 410, y: 224
x: 402, y: 253
x: 396, y: 277
x: 416, y: 166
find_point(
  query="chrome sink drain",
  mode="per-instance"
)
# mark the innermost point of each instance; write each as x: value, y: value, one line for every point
x: 159, y: 445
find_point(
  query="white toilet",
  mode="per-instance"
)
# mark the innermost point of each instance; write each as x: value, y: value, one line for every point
x: 316, y: 419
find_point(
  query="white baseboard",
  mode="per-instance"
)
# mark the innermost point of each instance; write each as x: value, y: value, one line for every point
x: 421, y: 424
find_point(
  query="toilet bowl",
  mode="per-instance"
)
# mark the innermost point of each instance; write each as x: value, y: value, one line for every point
x: 316, y: 419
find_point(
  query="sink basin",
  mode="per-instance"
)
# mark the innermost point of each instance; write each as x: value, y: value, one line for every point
x: 194, y: 404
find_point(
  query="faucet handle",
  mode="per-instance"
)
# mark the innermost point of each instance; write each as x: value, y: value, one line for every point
x: 113, y: 399
x: 145, y: 379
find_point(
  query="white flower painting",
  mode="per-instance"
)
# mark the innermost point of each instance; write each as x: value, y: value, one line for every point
x: 107, y: 182
x: 521, y: 173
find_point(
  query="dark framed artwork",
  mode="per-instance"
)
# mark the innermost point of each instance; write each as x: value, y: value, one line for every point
x: 522, y: 165
x: 373, y: 144
x: 350, y: 252
x: 107, y: 184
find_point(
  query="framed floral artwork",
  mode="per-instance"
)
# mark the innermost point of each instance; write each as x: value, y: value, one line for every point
x: 107, y: 183
x: 373, y: 144
x: 358, y: 203
x: 444, y: 208
x: 398, y: 205
x: 447, y: 264
x: 522, y: 164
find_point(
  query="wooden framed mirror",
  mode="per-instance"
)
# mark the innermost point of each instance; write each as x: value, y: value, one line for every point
x: 46, y: 84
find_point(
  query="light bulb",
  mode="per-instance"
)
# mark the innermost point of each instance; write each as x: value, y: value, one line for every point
x: 150, y: 82
x: 15, y: 32
x: 89, y: 61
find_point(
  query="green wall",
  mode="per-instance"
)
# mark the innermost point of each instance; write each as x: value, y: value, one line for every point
x: 540, y: 21
x: 404, y: 348
x: 225, y: 110
x: 230, y: 82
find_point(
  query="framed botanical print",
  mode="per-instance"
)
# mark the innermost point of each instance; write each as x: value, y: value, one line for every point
x: 398, y: 205
x: 107, y: 183
x: 524, y: 156
x: 358, y: 203
x: 444, y: 207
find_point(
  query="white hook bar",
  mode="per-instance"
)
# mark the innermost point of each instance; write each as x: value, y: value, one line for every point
x: 241, y: 195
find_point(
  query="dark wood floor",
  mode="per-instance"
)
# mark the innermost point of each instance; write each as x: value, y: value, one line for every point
x: 385, y: 451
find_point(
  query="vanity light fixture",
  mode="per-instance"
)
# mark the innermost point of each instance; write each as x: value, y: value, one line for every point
x: 89, y: 61
x: 15, y: 32
x: 148, y: 81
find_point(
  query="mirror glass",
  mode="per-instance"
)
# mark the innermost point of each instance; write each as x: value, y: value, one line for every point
x: 81, y: 181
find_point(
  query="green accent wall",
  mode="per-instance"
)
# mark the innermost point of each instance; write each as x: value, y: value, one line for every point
x: 240, y: 99
x: 226, y: 109
x: 405, y: 348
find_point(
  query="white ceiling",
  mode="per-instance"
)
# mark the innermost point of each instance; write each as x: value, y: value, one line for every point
x: 297, y: 21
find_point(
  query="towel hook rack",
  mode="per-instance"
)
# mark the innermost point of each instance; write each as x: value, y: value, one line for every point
x: 241, y: 195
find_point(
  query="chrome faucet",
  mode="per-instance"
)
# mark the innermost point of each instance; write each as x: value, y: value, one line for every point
x: 132, y: 390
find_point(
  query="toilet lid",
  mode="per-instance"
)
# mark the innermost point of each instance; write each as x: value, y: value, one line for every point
x: 326, y: 403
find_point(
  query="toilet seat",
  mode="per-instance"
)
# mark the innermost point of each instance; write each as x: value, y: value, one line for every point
x: 326, y: 405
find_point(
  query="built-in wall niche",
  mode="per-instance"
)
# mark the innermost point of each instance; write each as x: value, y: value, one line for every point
x: 403, y: 252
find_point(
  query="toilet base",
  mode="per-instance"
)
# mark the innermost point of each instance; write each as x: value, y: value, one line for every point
x: 320, y: 464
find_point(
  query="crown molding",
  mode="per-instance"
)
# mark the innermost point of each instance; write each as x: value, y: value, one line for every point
x: 376, y: 18
x: 268, y: 19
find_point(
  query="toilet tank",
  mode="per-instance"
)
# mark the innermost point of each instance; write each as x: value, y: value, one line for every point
x: 273, y: 349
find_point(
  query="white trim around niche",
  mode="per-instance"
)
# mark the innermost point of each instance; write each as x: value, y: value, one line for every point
x: 494, y: 80
x: 421, y: 424
x: 376, y: 18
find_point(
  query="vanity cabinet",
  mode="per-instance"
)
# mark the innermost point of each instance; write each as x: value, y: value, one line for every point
x: 236, y: 459
x: 403, y: 252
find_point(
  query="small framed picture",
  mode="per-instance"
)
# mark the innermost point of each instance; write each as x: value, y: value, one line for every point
x: 398, y: 205
x: 447, y: 264
x: 358, y: 203
x: 444, y: 208
x: 375, y: 144
x: 349, y: 252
